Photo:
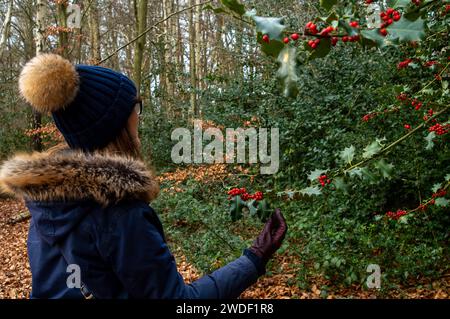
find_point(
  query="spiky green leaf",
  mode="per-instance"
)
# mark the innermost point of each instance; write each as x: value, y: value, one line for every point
x: 384, y: 168
x: 235, y: 6
x: 406, y: 30
x: 430, y: 138
x: 373, y: 148
x: 441, y: 202
x: 273, y: 27
x: 287, y: 73
x: 347, y: 154
x: 314, y: 175
x: 327, y: 4
x: 310, y: 191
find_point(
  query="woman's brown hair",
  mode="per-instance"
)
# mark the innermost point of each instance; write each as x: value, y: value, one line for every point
x: 124, y: 144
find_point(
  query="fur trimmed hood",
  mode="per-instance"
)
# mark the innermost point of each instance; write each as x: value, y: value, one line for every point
x: 70, y: 175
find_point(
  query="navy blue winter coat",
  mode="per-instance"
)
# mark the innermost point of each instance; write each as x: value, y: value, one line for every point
x: 93, y: 211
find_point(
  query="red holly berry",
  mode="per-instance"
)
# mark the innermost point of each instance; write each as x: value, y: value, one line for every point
x: 440, y: 129
x: 383, y: 32
x: 345, y: 38
x: 286, y: 40
x: 354, y: 38
x: 295, y: 36
x: 407, y: 126
x: 402, y: 97
x: 369, y: 1
x: 311, y: 28
x: 404, y: 64
x: 430, y: 63
x: 334, y: 41
x: 266, y: 38
x: 354, y: 24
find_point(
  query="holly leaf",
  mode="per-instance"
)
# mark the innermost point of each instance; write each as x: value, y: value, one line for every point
x: 429, y: 138
x: 340, y: 184
x: 368, y: 175
x: 436, y: 188
x: 441, y: 202
x: 314, y: 175
x: 406, y: 30
x: 350, y: 30
x: 321, y: 50
x: 264, y: 210
x: 373, y: 148
x: 273, y: 48
x: 273, y: 27
x: 235, y: 6
x: 355, y: 172
x: 251, y: 207
x: 385, y: 168
x: 331, y: 18
x: 398, y: 3
x: 237, y: 204
x: 327, y: 4
x: 347, y: 154
x: 310, y: 191
x: 447, y: 177
x: 287, y: 73
x: 215, y: 10
x: 374, y: 36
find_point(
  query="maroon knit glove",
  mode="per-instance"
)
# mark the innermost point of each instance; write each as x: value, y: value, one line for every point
x: 271, y: 237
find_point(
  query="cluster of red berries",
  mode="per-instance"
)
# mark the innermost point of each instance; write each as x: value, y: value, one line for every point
x: 326, y: 31
x: 414, y: 102
x: 388, y: 17
x: 324, y: 180
x: 417, y: 105
x: 244, y: 195
x: 429, y: 113
x: 294, y: 37
x: 353, y: 38
x: 440, y: 129
x: 440, y: 193
x: 313, y: 43
x: 311, y: 28
x: 404, y: 64
x: 396, y: 215
x: 402, y: 97
x: 430, y: 63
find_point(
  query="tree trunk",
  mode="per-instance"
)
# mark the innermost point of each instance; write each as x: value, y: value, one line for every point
x: 94, y: 32
x: 36, y: 120
x: 192, y: 62
x: 6, y: 27
x: 141, y: 17
x: 63, y: 35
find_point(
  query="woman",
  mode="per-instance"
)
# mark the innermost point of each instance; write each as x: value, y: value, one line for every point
x: 90, y: 201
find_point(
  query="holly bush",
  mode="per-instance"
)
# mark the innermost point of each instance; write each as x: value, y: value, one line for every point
x: 363, y: 112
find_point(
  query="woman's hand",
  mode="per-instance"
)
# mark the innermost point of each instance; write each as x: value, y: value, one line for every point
x: 271, y: 237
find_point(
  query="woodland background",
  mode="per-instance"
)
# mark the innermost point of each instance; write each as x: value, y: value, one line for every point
x: 197, y: 63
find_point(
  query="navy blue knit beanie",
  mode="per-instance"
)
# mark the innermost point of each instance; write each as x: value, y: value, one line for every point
x: 89, y: 104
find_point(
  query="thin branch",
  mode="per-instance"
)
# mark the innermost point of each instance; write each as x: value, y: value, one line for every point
x: 151, y: 28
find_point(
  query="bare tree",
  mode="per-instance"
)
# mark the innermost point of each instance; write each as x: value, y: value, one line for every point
x: 6, y: 27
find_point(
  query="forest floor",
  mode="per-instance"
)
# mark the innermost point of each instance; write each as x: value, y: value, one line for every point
x: 15, y: 276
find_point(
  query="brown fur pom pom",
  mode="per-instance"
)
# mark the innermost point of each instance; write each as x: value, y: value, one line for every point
x: 49, y: 82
